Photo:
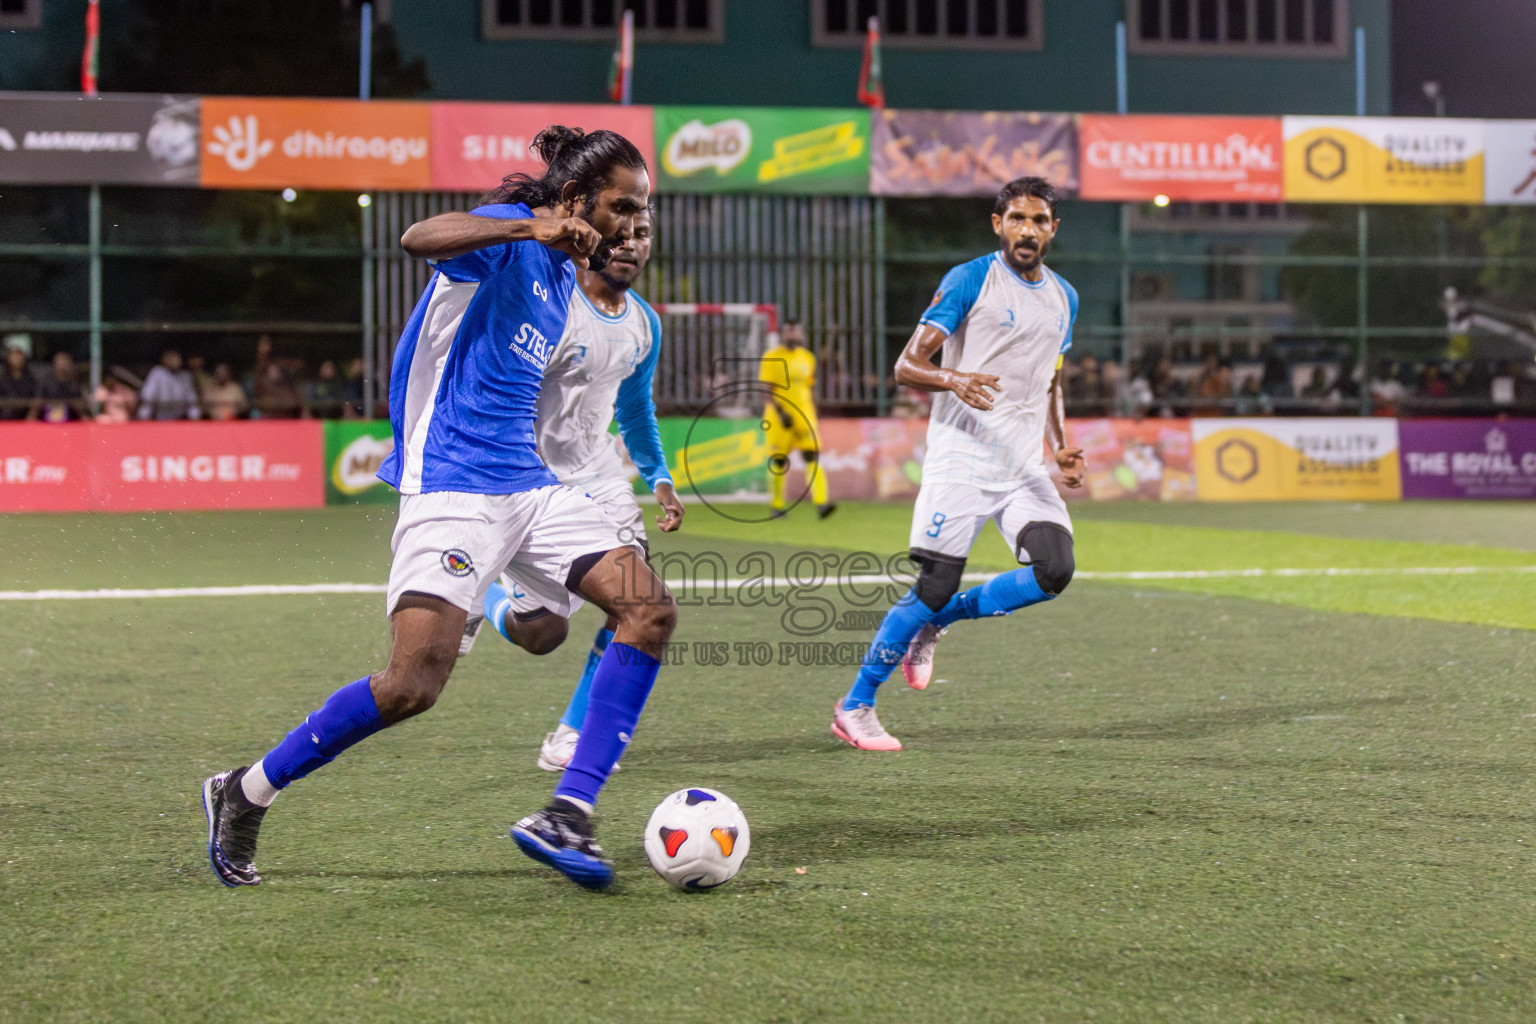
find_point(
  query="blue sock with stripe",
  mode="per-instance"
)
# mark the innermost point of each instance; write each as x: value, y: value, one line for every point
x: 349, y: 716
x: 901, y: 624
x: 576, y: 710
x: 620, y: 686
x: 1001, y: 595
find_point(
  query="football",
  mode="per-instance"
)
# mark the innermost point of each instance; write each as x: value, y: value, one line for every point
x: 697, y: 839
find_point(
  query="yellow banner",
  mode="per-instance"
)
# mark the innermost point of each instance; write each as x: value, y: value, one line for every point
x: 1383, y: 160
x: 1296, y: 459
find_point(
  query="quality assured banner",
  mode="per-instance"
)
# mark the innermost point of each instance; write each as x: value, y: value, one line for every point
x: 1296, y: 459
x: 1383, y: 160
x: 1510, y: 173
x: 1468, y: 458
x: 319, y: 144
x: 354, y: 451
x: 1194, y: 159
x: 800, y: 151
x: 131, y: 467
x: 67, y: 139
x: 475, y: 145
x: 954, y: 153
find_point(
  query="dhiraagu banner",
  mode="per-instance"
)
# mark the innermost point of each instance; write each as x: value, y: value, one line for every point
x: 1383, y: 160
x: 802, y: 151
x: 1285, y: 459
x: 354, y: 450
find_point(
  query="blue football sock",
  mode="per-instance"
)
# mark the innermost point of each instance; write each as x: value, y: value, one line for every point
x: 576, y: 710
x: 901, y: 624
x: 497, y: 603
x: 349, y: 716
x: 620, y: 686
x: 1001, y: 595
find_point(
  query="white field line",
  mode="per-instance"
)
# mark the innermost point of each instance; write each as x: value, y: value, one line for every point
x: 275, y: 590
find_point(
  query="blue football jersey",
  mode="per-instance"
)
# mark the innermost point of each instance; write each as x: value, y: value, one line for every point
x: 465, y: 385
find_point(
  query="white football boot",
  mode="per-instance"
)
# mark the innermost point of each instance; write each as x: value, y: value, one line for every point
x: 471, y: 631
x: 917, y: 663
x: 860, y: 728
x: 559, y: 747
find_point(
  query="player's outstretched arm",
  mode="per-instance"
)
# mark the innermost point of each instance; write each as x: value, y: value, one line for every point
x: 1071, y: 460
x: 915, y: 369
x: 453, y: 234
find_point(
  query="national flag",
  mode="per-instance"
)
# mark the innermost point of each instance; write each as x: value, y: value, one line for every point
x: 623, y: 60
x: 88, y: 62
x: 871, y: 88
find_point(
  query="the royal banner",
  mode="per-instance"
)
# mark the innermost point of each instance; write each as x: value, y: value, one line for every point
x: 354, y: 451
x: 957, y: 153
x: 319, y: 144
x: 66, y: 139
x: 1196, y: 159
x: 1131, y: 460
x: 1510, y: 173
x: 475, y: 145
x: 1283, y: 459
x: 799, y: 151
x: 1383, y: 160
x: 1468, y: 458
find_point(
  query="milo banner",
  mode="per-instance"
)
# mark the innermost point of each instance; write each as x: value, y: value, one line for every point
x: 354, y: 451
x: 957, y: 153
x: 1383, y: 160
x: 1296, y: 459
x: 1468, y: 458
x: 763, y: 149
x: 66, y: 139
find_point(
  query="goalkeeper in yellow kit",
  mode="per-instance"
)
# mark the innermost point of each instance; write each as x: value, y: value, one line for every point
x: 788, y: 373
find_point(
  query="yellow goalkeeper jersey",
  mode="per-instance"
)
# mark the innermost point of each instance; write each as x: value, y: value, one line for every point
x: 792, y: 375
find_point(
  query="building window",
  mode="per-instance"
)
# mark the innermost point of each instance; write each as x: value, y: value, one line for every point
x: 931, y: 24
x: 1281, y: 28
x: 16, y: 14
x: 656, y: 21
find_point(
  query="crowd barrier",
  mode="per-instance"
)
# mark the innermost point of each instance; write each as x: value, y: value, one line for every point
x: 304, y: 464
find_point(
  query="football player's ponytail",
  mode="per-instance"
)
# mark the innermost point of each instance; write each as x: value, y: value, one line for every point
x: 569, y: 154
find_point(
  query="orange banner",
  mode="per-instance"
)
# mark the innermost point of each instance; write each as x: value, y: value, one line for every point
x: 1193, y: 159
x: 321, y: 144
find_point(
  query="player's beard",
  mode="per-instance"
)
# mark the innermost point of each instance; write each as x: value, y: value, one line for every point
x: 1027, y: 259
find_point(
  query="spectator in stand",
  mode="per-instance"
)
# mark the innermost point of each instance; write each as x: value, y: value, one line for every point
x: 1432, y: 384
x: 116, y: 397
x: 1214, y: 388
x: 276, y: 396
x: 1083, y: 386
x: 1276, y: 382
x: 18, y: 388
x: 168, y: 392
x: 325, y: 396
x: 59, y: 398
x: 1113, y: 392
x: 1388, y: 392
x: 200, y: 377
x: 1317, y: 385
x: 223, y: 399
x: 355, y: 388
x: 1251, y: 400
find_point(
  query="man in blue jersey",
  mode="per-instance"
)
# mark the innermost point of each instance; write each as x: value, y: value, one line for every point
x: 602, y: 370
x: 1004, y: 321
x: 476, y: 496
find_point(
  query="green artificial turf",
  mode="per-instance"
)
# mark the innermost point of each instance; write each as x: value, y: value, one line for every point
x: 1135, y: 803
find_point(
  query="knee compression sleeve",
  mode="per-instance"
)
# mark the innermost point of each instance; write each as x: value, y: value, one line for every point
x: 1048, y: 548
x: 938, y: 580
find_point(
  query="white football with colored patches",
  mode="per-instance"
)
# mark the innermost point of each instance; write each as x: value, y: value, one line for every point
x: 697, y: 838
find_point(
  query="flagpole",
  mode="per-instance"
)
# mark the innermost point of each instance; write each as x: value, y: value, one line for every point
x: 89, y: 65
x: 628, y: 63
x: 365, y: 92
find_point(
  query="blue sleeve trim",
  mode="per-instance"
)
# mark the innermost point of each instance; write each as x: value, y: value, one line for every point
x: 1066, y: 342
x: 635, y: 409
x: 957, y: 293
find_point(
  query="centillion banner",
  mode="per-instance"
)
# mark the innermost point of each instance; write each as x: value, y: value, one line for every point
x: 1285, y: 459
x: 1383, y: 160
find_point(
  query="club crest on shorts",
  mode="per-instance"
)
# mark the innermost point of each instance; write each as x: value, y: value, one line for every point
x: 456, y: 562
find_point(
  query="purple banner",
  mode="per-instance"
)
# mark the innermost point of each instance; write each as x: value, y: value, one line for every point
x: 1468, y: 458
x: 947, y: 153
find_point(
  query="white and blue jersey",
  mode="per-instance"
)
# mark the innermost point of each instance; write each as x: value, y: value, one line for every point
x: 464, y: 390
x: 997, y: 323
x: 603, y: 368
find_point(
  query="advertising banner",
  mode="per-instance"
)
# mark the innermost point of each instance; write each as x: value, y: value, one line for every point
x: 1383, y: 160
x: 800, y: 151
x: 1282, y: 459
x: 1131, y: 460
x: 1196, y: 159
x: 134, y: 467
x: 321, y: 144
x: 1468, y: 458
x: 955, y: 153
x: 475, y: 145
x: 66, y: 139
x: 1510, y: 173
x: 354, y: 451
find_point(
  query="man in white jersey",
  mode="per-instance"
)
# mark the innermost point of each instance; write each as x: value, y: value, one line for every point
x: 604, y: 365
x: 1004, y: 321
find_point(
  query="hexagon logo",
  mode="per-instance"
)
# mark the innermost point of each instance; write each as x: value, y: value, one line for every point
x: 1238, y: 461
x: 1326, y: 159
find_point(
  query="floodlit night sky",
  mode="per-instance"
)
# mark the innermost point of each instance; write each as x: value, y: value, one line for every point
x: 1483, y: 52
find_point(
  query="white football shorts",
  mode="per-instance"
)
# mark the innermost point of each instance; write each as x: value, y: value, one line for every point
x: 453, y: 545
x: 949, y: 517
